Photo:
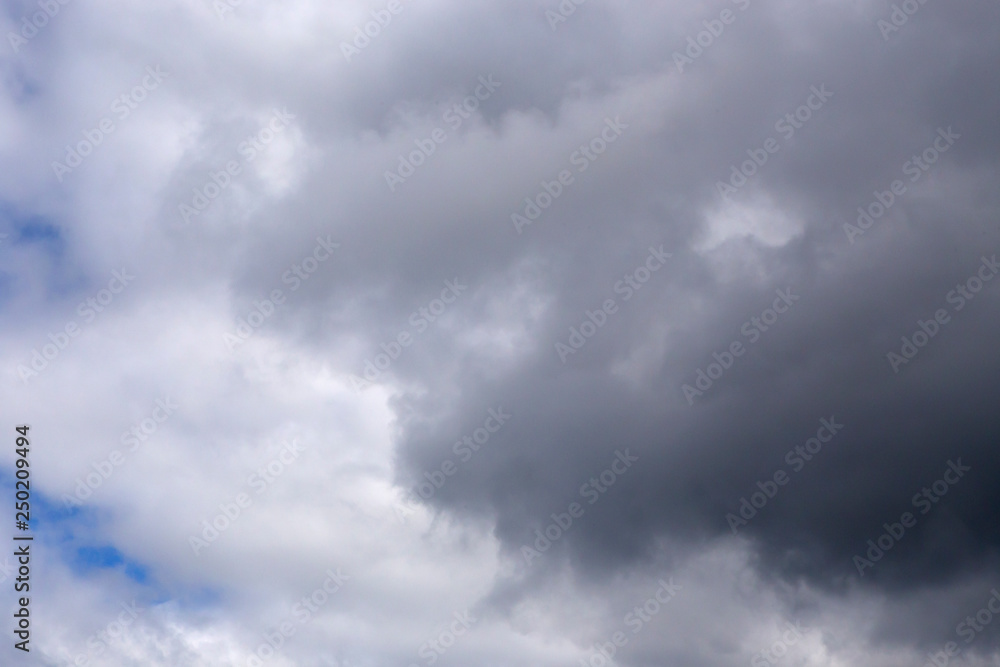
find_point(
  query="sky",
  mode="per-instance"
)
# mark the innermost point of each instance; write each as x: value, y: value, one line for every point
x: 593, y: 332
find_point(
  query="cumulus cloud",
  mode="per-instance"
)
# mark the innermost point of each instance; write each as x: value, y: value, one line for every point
x: 538, y: 333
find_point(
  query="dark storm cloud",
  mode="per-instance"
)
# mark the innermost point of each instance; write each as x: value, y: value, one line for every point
x: 486, y: 262
x: 825, y: 358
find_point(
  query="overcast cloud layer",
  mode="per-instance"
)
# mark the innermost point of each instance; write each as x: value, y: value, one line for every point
x: 396, y: 334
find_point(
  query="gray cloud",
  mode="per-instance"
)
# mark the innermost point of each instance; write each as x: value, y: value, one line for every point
x: 596, y: 118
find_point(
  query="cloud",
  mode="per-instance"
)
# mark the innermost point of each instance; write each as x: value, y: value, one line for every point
x: 286, y: 290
